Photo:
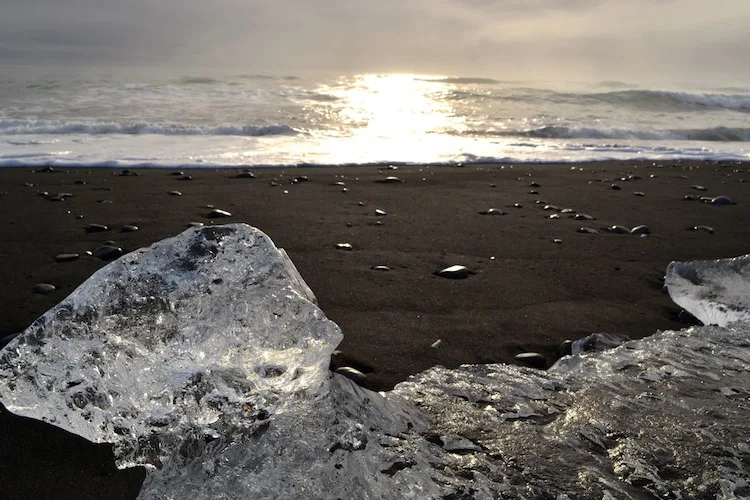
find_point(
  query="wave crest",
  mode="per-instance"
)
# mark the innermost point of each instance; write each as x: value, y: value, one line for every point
x: 49, y: 127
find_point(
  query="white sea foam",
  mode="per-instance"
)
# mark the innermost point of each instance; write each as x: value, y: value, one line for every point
x: 50, y: 127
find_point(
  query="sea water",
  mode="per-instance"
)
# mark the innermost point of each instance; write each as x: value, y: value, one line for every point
x: 144, y: 119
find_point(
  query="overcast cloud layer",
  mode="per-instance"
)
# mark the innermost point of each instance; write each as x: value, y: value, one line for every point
x: 553, y: 39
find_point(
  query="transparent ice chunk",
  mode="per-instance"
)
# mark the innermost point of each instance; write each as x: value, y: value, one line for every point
x: 205, y: 359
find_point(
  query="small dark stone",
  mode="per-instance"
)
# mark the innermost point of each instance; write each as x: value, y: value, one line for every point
x: 565, y: 349
x: 533, y: 359
x: 535, y: 185
x: 344, y: 246
x: 619, y: 230
x: 47, y: 170
x: 177, y: 173
x: 455, y: 272
x: 587, y: 230
x: 301, y: 178
x: 389, y: 180
x: 492, y: 211
x: 130, y: 228
x: 584, y: 217
x: 129, y: 173
x: 615, y: 187
x: 338, y: 183
x: 175, y: 193
x: 109, y: 242
x: 689, y: 197
x: 66, y: 257
x: 533, y: 191
x: 186, y: 178
x: 43, y: 288
x: 639, y: 193
x: 380, y: 268
x: 352, y: 374
x: 107, y: 252
x: 640, y: 230
x: 216, y: 213
x: 707, y: 229
x: 721, y: 200
x: 700, y: 188
x: 688, y: 319
x: 245, y: 175
x: 79, y: 182
x: 96, y: 228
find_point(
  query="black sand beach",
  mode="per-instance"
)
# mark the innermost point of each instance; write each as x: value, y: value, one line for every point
x: 527, y: 293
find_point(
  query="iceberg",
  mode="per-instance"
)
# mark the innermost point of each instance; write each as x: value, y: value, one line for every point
x: 204, y: 358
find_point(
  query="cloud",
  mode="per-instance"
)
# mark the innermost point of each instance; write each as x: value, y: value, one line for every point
x: 525, y: 38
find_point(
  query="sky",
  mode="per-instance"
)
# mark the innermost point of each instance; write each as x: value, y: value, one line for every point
x: 629, y: 40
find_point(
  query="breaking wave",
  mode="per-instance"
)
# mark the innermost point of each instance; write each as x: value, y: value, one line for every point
x: 55, y: 127
x: 713, y: 134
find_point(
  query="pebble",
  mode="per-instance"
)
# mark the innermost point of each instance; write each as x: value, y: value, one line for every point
x: 721, y: 200
x: 455, y: 272
x: 615, y: 187
x: 584, y: 217
x: 619, y: 230
x: 389, y: 180
x: 186, y: 178
x: 43, y: 288
x: 533, y: 191
x: 517, y: 205
x: 344, y: 246
x: 177, y: 173
x: 551, y: 207
x: 535, y: 185
x: 352, y: 374
x: 301, y: 178
x: 567, y: 211
x: 245, y: 175
x: 66, y: 257
x: 380, y: 268
x: 380, y: 212
x: 217, y: 213
x: 689, y: 197
x: 554, y: 216
x: 640, y: 230
x: 107, y: 252
x: 129, y: 228
x: 338, y: 183
x: 707, y: 229
x: 639, y: 193
x: 557, y: 240
x: 436, y: 344
x: 195, y: 224
x: 129, y: 173
x: 175, y: 193
x: 80, y: 183
x: 492, y: 211
x: 587, y: 230
x: 700, y: 188
x: 361, y: 203
x: 96, y: 228
x: 533, y: 359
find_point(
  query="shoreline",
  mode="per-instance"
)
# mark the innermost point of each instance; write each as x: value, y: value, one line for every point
x: 532, y: 296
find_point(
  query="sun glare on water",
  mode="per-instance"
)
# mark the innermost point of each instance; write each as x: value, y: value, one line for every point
x: 399, y: 116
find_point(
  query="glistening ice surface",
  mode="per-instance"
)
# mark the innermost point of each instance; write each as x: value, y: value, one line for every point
x: 205, y: 358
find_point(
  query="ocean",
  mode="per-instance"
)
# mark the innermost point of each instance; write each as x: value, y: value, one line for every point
x: 128, y: 120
